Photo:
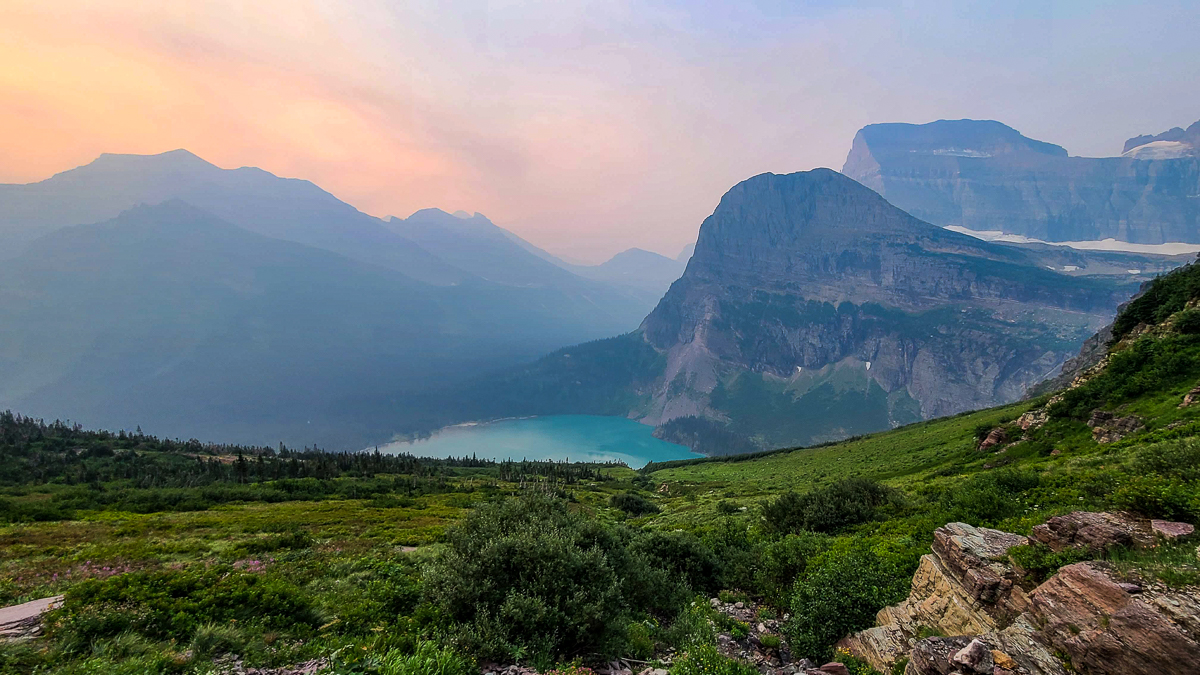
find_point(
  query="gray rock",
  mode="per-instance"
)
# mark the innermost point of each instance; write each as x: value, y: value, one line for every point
x: 976, y: 657
x: 983, y: 175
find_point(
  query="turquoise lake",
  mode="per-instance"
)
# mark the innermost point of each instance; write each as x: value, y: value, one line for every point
x: 579, y: 438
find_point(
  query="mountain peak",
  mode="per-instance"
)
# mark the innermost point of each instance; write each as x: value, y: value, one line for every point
x: 977, y: 139
x: 172, y: 159
x: 791, y: 211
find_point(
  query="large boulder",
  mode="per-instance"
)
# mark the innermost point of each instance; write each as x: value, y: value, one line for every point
x: 1104, y: 629
x: 1098, y: 532
x: 1083, y: 619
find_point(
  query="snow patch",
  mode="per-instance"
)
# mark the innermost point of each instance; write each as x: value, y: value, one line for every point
x: 1161, y: 150
x: 1170, y: 248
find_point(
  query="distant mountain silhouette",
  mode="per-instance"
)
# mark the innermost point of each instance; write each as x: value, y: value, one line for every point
x: 985, y: 176
x: 265, y: 298
x: 643, y: 272
x: 283, y: 208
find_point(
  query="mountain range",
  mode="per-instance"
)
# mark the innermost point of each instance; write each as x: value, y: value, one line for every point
x: 986, y: 176
x: 813, y: 309
x: 164, y: 291
x: 167, y: 292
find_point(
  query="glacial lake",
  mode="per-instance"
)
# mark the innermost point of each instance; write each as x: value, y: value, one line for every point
x: 579, y: 438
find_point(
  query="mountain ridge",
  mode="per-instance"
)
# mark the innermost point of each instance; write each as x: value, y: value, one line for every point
x: 985, y: 176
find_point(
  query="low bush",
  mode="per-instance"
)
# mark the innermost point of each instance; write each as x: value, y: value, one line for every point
x: 427, y: 659
x: 840, y: 593
x: 706, y: 660
x: 987, y: 498
x: 785, y: 560
x: 526, y: 578
x: 829, y: 509
x: 173, y: 604
x: 1040, y: 563
x: 633, y: 504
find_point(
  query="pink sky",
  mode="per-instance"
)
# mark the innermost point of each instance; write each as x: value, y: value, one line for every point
x: 586, y: 127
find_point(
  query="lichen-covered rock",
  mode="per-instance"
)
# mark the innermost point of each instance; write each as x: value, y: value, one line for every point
x: 931, y: 656
x: 1099, y: 623
x: 1093, y: 531
x: 1083, y: 612
x: 1170, y: 531
x: 1108, y: 428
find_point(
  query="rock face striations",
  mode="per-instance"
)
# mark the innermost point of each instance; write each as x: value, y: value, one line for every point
x: 814, y: 309
x: 991, y: 618
x: 985, y: 176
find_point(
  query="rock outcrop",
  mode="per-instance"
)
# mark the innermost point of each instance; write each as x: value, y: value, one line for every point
x: 24, y: 621
x: 1096, y: 532
x: 985, y: 176
x: 986, y: 617
x: 829, y: 299
x: 1103, y: 628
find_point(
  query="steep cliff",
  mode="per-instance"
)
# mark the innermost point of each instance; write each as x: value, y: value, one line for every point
x: 813, y: 309
x: 985, y: 176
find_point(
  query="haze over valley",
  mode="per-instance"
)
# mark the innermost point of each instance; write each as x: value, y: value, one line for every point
x: 645, y: 337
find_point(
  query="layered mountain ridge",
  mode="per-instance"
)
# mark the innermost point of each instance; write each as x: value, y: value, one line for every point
x: 797, y: 277
x: 261, y: 268
x: 812, y: 309
x: 986, y: 176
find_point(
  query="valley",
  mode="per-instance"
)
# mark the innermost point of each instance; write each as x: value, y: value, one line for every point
x: 351, y: 562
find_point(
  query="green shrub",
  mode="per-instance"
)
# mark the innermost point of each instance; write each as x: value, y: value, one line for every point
x: 829, y: 509
x: 693, y: 627
x: 639, y: 640
x: 633, y: 504
x: 172, y: 604
x: 213, y: 639
x: 1148, y: 365
x: 683, y: 557
x: 727, y: 508
x: 1166, y: 295
x: 841, y: 593
x: 1188, y: 322
x: 526, y: 577
x: 1177, y: 459
x: 987, y: 498
x: 770, y: 641
x: 785, y: 560
x: 19, y: 657
x: 706, y: 660
x: 427, y: 659
x: 296, y: 539
x: 854, y: 665
x: 1040, y: 563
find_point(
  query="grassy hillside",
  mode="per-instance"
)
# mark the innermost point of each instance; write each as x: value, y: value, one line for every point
x: 171, y: 555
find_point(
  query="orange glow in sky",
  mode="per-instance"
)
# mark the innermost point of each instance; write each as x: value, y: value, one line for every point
x: 587, y: 127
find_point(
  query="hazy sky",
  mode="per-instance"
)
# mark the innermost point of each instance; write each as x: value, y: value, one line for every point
x: 587, y: 127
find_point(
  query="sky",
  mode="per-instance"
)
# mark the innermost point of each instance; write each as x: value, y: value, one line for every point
x: 585, y: 127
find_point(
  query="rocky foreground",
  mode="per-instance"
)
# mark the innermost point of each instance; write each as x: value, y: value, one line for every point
x: 972, y: 611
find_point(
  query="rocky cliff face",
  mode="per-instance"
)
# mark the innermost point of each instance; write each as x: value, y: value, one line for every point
x: 1170, y: 144
x: 809, y: 292
x: 990, y: 618
x: 983, y: 175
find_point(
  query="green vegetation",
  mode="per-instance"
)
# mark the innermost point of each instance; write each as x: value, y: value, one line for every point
x: 172, y: 554
x: 705, y: 436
